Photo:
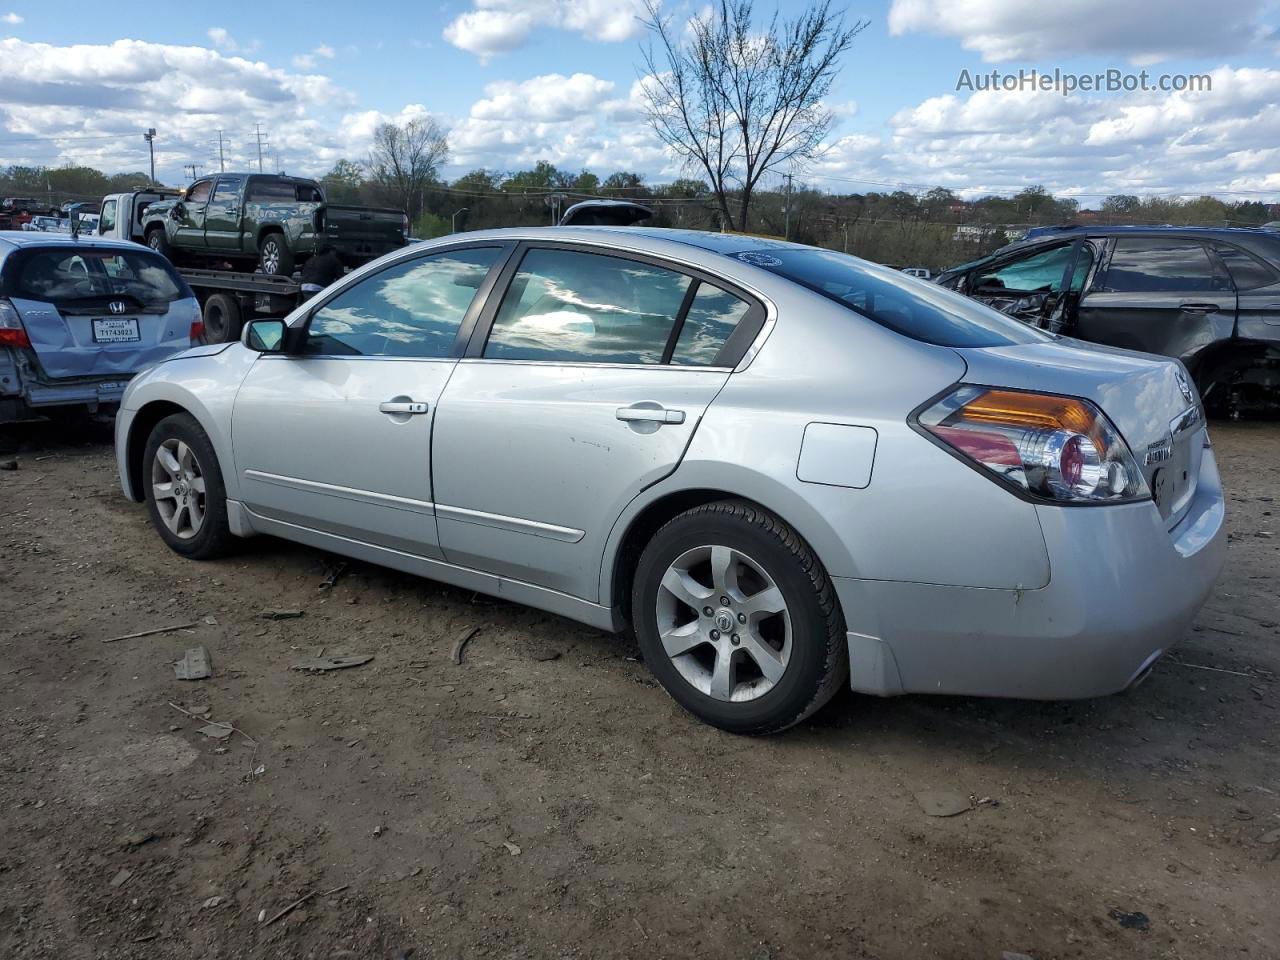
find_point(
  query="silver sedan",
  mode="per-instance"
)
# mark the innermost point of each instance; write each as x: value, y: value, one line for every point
x: 784, y: 468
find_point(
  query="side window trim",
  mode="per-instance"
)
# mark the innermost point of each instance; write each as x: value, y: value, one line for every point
x: 482, y: 295
x: 678, y: 327
x: 735, y: 348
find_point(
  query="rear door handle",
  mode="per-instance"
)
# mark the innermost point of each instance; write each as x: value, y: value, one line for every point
x: 650, y: 414
x: 403, y: 406
x: 1199, y: 307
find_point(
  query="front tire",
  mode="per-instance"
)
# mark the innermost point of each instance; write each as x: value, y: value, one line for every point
x: 186, y: 498
x: 738, y: 620
x: 158, y: 241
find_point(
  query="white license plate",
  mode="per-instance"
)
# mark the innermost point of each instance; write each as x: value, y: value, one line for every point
x: 115, y: 331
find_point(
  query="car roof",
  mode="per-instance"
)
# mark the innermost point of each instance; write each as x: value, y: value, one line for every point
x: 635, y: 237
x: 1037, y: 233
x: 11, y: 240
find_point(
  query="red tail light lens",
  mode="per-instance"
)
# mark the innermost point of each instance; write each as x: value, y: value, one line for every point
x: 1061, y: 449
x: 197, y: 332
x: 12, y: 332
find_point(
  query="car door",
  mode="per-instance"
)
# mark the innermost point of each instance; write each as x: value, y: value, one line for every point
x: 191, y: 215
x: 1257, y: 285
x: 583, y: 385
x: 1027, y: 285
x: 107, y: 219
x: 336, y: 437
x: 1161, y: 295
x: 222, y: 215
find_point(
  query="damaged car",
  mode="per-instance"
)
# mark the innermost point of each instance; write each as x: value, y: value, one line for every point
x: 1209, y: 297
x: 80, y: 317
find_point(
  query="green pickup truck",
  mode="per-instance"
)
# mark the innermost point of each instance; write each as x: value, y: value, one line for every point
x: 274, y: 220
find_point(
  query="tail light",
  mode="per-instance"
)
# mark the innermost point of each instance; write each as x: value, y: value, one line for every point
x: 12, y: 332
x: 404, y: 225
x: 197, y: 332
x: 1059, y: 449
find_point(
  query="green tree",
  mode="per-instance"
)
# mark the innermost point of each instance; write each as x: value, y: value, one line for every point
x: 342, y: 183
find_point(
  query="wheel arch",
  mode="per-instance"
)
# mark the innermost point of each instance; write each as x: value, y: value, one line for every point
x: 265, y: 229
x: 144, y: 421
x: 647, y: 514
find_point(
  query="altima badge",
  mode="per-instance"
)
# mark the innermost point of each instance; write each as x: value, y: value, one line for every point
x: 1159, y: 452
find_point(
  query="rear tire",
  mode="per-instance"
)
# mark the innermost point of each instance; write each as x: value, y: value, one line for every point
x: 274, y: 256
x: 222, y: 319
x: 772, y: 655
x: 185, y: 495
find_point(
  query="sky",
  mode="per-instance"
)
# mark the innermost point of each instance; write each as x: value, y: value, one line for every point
x: 517, y: 81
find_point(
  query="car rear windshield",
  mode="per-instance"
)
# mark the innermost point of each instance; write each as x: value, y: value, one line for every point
x: 84, y: 275
x: 914, y: 308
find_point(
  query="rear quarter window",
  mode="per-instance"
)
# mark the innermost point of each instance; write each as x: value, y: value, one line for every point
x: 913, y: 308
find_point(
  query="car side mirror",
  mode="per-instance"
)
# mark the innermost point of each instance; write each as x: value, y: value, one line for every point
x: 265, y: 336
x: 177, y: 211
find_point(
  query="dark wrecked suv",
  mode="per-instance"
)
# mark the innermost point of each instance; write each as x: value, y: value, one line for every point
x: 1208, y: 296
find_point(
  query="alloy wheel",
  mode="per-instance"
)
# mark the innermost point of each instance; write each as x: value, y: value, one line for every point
x: 270, y: 257
x: 724, y: 623
x: 177, y: 484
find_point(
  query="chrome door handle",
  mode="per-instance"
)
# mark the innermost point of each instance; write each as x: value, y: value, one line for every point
x: 1199, y: 307
x: 402, y: 406
x: 650, y: 414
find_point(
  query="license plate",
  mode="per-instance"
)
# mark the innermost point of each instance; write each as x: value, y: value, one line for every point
x: 115, y: 331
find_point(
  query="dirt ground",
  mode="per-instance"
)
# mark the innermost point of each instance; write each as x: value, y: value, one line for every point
x: 546, y: 799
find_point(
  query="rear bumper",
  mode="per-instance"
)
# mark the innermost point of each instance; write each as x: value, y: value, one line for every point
x: 29, y: 396
x: 1122, y: 591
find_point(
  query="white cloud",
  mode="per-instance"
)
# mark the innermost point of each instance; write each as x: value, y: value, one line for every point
x: 486, y: 32
x: 498, y: 26
x: 88, y: 103
x: 1002, y: 30
x: 12, y: 19
x: 308, y: 61
x: 549, y: 97
x: 1224, y: 141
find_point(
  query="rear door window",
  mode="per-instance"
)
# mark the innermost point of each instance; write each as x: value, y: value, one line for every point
x: 271, y: 190
x: 564, y: 306
x: 713, y: 316
x: 1159, y: 265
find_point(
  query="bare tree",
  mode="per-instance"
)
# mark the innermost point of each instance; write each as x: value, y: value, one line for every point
x: 404, y: 159
x: 736, y: 101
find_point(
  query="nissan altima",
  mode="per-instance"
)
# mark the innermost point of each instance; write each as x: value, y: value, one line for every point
x: 785, y: 469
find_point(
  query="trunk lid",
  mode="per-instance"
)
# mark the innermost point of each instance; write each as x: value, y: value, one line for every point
x: 1149, y: 399
x: 84, y: 341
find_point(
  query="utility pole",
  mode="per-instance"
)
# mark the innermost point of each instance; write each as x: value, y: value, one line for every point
x: 257, y: 127
x: 150, y: 137
x: 194, y: 168
x: 222, y: 162
x: 786, y: 229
